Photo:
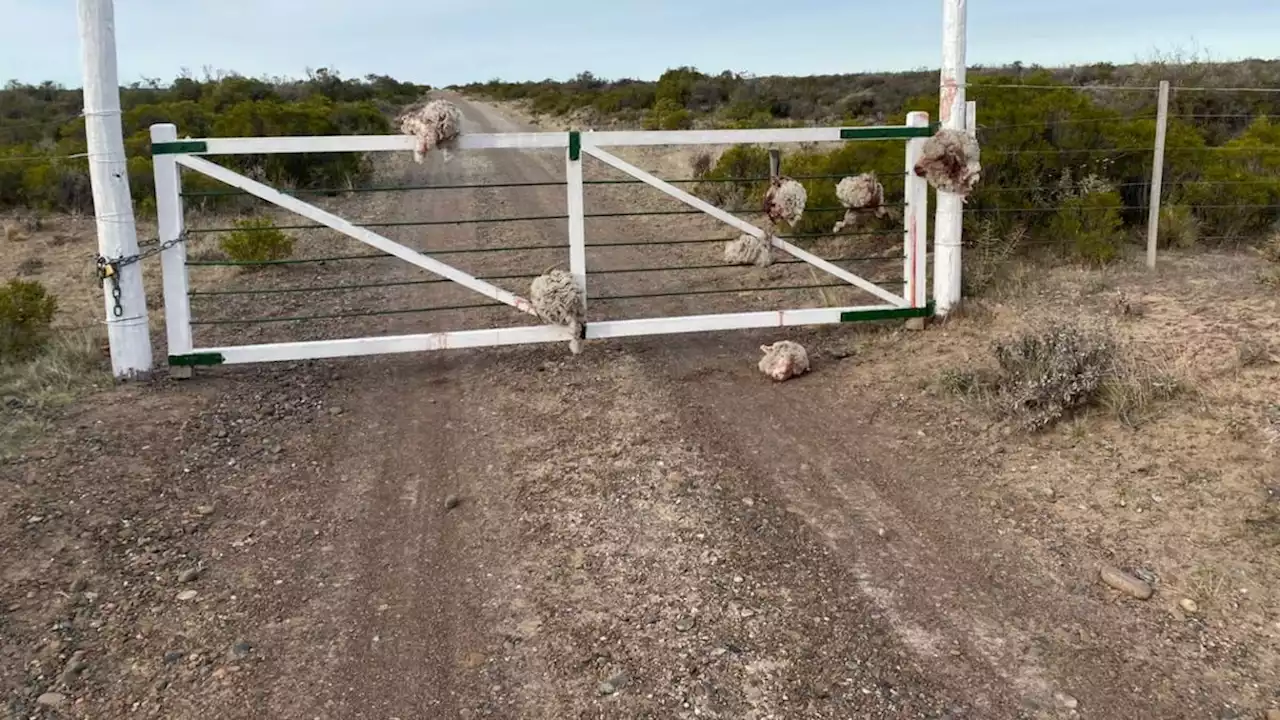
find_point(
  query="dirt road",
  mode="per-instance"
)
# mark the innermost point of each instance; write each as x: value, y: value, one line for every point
x: 649, y: 530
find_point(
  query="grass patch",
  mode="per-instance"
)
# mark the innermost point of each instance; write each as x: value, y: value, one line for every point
x: 34, y: 389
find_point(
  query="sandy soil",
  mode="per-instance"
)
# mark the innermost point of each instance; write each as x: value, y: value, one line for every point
x: 650, y: 529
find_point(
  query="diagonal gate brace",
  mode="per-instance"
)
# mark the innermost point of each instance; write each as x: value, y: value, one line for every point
x: 742, y: 225
x: 355, y: 232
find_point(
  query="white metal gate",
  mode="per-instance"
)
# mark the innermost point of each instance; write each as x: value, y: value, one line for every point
x: 169, y: 153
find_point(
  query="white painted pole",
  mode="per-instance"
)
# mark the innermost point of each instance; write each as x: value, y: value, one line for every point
x: 1157, y: 173
x: 951, y: 110
x: 575, y: 207
x: 916, y: 221
x: 971, y: 117
x: 173, y: 261
x: 127, y: 332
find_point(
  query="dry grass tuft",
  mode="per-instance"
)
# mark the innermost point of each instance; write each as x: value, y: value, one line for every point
x: 1254, y: 352
x: 33, y: 390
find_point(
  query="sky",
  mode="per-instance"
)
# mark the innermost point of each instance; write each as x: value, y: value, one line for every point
x: 443, y: 43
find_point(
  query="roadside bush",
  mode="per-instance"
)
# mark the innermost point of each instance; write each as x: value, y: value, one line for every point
x: 1178, y: 228
x: 257, y: 239
x: 739, y: 161
x: 987, y: 254
x: 1045, y: 375
x: 1088, y: 220
x: 666, y: 114
x: 26, y: 314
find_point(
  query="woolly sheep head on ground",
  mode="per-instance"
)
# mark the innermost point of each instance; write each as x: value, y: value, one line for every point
x: 784, y: 201
x: 950, y: 162
x: 435, y: 123
x: 557, y: 299
x: 749, y: 250
x: 862, y: 195
x: 784, y: 360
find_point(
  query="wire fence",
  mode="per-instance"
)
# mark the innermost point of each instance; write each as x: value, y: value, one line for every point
x: 1079, y: 177
x: 1069, y: 169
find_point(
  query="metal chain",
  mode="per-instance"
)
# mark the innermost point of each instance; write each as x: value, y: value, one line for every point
x: 110, y: 269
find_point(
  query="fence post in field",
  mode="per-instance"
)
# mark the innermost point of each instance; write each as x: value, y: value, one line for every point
x: 173, y: 260
x: 126, y: 302
x: 775, y: 163
x: 1157, y: 173
x: 951, y: 109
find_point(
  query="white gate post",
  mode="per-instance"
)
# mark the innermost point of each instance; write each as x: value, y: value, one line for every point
x: 127, y: 332
x: 1157, y: 173
x: 915, y: 218
x: 575, y: 209
x: 951, y: 111
x: 173, y: 260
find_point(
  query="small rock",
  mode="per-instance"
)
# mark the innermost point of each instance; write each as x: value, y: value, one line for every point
x: 1050, y: 494
x: 686, y: 623
x: 749, y: 502
x: 204, y: 510
x: 451, y: 502
x: 1189, y: 605
x: 1066, y: 700
x: 173, y: 656
x: 1273, y: 714
x: 74, y: 667
x: 613, y: 684
x: 79, y: 585
x: 240, y: 651
x: 335, y: 410
x: 1125, y: 583
x: 52, y: 699
x: 187, y: 595
x: 188, y: 575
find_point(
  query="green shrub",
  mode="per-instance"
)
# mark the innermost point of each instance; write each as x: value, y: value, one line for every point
x: 26, y: 314
x: 257, y: 239
x: 739, y: 161
x: 1178, y: 228
x: 666, y: 114
x: 1088, y: 220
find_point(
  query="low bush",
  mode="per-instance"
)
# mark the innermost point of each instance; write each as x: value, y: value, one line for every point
x: 26, y: 315
x: 1088, y: 220
x: 1178, y: 228
x: 257, y: 239
x: 1045, y: 375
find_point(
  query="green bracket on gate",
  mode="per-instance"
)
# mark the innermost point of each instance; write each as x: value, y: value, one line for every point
x: 887, y: 314
x: 575, y: 145
x: 196, y: 359
x: 179, y: 147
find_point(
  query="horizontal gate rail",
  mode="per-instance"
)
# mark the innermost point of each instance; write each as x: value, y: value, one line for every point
x: 355, y: 347
x: 532, y: 141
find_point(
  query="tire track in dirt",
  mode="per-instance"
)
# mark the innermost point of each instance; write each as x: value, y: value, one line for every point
x: 955, y: 589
